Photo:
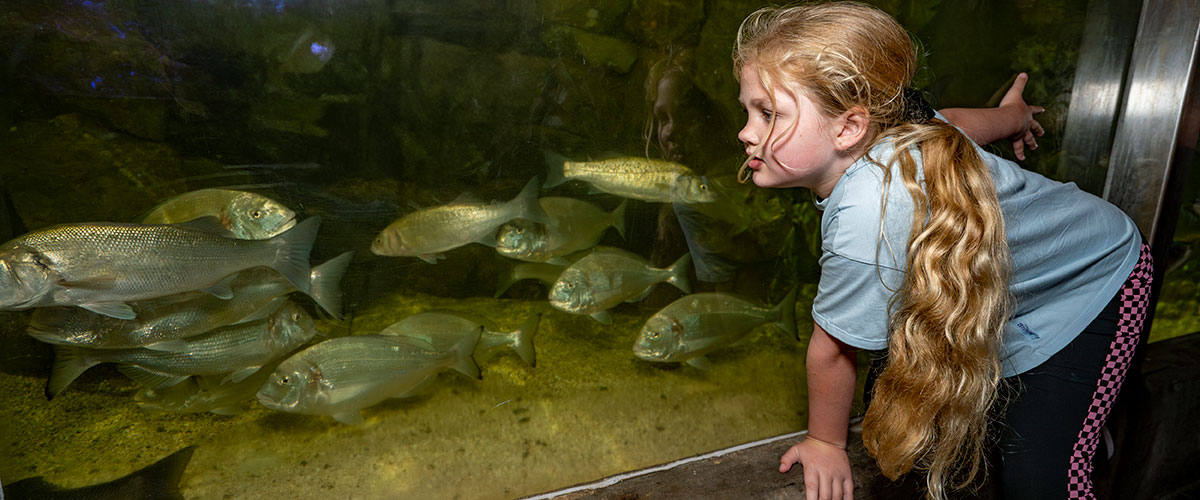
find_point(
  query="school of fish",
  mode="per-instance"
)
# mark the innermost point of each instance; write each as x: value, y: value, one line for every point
x: 196, y: 300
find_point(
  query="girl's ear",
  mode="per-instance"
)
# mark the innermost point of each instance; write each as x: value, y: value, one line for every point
x: 850, y: 128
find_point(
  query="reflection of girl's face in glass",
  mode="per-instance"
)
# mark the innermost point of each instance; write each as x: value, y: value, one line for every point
x: 666, y: 113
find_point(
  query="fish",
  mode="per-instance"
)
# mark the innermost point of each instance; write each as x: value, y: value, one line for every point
x: 574, y: 225
x: 206, y: 393
x: 544, y: 272
x: 429, y: 232
x: 608, y: 276
x: 444, y: 329
x: 246, y: 215
x: 238, y: 350
x: 163, y: 323
x: 697, y: 324
x: 633, y: 177
x: 103, y: 266
x: 157, y: 481
x: 341, y: 376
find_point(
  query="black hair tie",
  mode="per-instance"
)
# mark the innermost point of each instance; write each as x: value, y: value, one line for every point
x: 916, y: 108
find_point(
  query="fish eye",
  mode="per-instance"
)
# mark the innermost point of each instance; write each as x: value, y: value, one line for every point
x: 295, y: 316
x: 654, y: 335
x: 256, y: 213
x: 285, y: 381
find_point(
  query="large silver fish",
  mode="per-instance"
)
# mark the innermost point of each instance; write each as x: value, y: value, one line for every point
x: 609, y: 276
x: 162, y: 323
x: 249, y: 216
x: 574, y: 225
x: 101, y: 266
x: 239, y: 350
x: 633, y: 177
x: 444, y: 329
x: 341, y: 376
x: 700, y: 323
x: 429, y: 232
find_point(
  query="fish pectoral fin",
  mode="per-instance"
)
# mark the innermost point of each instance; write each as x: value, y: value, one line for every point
x: 119, y: 310
x: 221, y: 289
x: 603, y: 317
x: 175, y: 345
x: 353, y: 417
x: 227, y: 411
x: 642, y: 296
x: 699, y: 363
x: 432, y: 258
x: 241, y: 374
x: 150, y: 378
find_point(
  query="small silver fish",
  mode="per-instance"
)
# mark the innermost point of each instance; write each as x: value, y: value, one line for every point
x: 429, y: 232
x: 444, y: 329
x: 162, y: 323
x: 609, y: 276
x: 341, y: 376
x: 574, y: 225
x: 239, y: 350
x: 248, y: 216
x: 101, y: 266
x: 697, y: 324
x: 633, y: 177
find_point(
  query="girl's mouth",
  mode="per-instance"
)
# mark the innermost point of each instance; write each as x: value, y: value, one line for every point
x: 754, y: 163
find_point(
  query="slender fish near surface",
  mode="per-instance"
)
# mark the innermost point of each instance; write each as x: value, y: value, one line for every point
x: 633, y: 177
x: 157, y: 481
x: 102, y: 266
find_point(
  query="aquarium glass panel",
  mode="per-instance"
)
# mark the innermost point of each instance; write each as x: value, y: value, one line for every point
x: 447, y: 168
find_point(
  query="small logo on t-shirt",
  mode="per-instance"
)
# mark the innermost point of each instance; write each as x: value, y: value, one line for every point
x: 1025, y: 328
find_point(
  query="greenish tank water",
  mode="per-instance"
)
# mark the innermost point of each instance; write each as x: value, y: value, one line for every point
x: 362, y: 112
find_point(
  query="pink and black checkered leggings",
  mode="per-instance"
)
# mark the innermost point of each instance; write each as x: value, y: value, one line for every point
x: 1050, y: 428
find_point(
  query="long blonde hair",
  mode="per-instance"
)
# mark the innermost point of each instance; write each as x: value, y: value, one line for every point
x: 931, y: 402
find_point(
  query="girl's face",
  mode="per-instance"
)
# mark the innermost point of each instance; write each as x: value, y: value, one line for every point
x: 800, y: 150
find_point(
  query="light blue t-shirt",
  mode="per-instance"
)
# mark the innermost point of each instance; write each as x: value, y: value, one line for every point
x: 1071, y: 252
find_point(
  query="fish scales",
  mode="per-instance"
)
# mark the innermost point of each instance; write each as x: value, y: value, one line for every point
x: 647, y: 180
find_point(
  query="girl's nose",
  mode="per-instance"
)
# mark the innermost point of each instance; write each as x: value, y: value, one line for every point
x: 748, y: 137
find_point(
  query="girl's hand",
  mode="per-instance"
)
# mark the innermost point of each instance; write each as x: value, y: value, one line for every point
x: 826, y: 470
x: 1027, y: 128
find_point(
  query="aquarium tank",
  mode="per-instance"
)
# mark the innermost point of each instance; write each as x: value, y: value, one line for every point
x: 448, y: 167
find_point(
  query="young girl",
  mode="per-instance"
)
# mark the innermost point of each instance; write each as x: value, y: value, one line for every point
x: 1007, y: 302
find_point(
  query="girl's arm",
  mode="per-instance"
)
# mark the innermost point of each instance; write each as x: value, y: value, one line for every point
x: 1012, y: 119
x: 832, y: 370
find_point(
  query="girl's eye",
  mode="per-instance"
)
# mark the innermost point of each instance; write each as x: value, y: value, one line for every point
x: 767, y: 114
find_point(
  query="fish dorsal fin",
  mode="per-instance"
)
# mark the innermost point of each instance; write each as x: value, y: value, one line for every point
x: 466, y: 198
x: 210, y: 224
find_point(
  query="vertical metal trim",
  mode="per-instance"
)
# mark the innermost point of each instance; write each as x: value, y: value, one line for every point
x: 1104, y: 52
x: 1149, y: 132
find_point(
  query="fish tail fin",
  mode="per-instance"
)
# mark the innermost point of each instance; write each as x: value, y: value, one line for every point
x: 555, y: 170
x: 69, y: 363
x: 291, y: 258
x: 679, y: 273
x: 787, y: 313
x: 504, y: 281
x: 527, y: 206
x: 162, y: 478
x: 618, y: 217
x: 463, y: 352
x: 326, y: 280
x: 522, y: 342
